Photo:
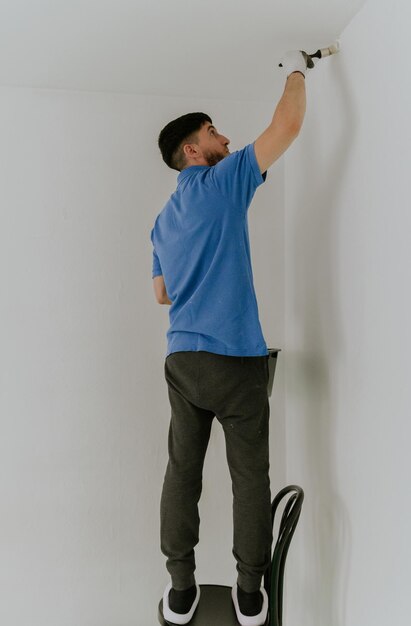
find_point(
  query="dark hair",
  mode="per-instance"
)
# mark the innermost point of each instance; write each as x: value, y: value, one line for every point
x: 184, y: 129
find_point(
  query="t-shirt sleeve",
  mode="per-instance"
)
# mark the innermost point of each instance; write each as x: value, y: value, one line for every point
x: 156, y: 268
x: 157, y: 271
x: 238, y: 175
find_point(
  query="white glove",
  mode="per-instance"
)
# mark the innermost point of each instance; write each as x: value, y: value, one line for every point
x: 296, y: 61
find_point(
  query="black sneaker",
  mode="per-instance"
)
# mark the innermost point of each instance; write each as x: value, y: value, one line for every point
x: 179, y: 606
x: 251, y: 608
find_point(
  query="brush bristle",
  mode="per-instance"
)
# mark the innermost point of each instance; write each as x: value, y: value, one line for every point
x: 335, y: 47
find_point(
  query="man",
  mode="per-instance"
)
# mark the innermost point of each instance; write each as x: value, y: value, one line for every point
x: 217, y: 359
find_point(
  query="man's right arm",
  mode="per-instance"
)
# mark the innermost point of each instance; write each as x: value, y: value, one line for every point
x: 286, y: 123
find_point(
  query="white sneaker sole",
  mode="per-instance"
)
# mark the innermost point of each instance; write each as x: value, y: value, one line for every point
x: 250, y: 620
x: 178, y: 618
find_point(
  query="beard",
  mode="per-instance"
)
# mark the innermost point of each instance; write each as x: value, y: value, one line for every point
x: 213, y: 158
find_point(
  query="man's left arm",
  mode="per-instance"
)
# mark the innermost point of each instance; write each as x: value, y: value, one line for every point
x: 160, y: 290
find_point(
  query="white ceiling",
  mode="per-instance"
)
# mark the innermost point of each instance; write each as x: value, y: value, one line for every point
x: 225, y: 49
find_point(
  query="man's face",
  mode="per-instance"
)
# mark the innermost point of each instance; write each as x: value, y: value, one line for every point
x: 212, y: 147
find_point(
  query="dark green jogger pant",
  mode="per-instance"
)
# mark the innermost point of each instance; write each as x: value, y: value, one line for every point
x: 203, y: 385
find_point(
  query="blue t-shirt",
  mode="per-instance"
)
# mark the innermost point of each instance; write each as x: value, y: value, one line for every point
x: 201, y: 248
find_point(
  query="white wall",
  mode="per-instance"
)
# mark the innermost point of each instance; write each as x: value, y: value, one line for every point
x: 348, y: 342
x: 83, y: 402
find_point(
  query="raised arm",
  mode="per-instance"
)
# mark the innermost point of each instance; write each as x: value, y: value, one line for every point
x: 288, y: 116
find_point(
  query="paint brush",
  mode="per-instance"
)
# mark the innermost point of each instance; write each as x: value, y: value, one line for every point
x: 321, y: 53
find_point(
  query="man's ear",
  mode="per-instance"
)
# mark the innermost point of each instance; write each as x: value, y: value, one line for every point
x: 191, y: 150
